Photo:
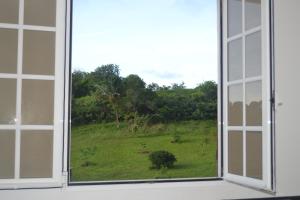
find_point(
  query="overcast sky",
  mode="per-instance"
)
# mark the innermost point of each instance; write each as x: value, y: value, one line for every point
x: 163, y: 41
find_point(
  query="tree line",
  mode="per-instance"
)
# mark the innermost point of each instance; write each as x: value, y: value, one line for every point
x: 104, y: 96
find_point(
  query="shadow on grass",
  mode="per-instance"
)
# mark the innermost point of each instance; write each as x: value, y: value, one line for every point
x: 175, y: 167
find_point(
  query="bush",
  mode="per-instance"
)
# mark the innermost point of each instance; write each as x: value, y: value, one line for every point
x: 162, y: 159
x: 176, y: 138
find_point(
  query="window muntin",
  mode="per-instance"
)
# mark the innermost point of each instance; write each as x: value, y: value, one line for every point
x: 254, y: 127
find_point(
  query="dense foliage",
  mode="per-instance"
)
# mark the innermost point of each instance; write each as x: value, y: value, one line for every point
x: 162, y: 159
x: 104, y: 96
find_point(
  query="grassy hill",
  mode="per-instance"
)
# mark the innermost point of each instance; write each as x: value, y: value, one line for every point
x: 102, y: 152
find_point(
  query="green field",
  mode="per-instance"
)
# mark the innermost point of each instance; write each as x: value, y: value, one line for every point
x: 103, y: 152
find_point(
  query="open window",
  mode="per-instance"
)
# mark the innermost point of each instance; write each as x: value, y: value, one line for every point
x: 34, y: 105
x: 247, y: 96
x: 31, y: 105
x: 144, y: 89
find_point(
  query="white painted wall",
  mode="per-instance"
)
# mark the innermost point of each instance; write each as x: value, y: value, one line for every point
x: 287, y: 67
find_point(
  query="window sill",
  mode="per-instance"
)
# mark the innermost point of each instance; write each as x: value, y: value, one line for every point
x: 218, y: 189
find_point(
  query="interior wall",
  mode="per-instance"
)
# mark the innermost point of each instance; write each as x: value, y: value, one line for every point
x: 287, y: 82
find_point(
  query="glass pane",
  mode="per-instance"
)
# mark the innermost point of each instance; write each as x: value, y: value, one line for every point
x: 37, y: 102
x: 254, y: 104
x: 39, y: 52
x: 40, y: 12
x: 9, y: 11
x: 36, y: 154
x: 235, y: 12
x: 254, y: 154
x: 7, y: 154
x: 253, y: 55
x: 235, y: 152
x: 235, y: 105
x: 235, y: 60
x: 8, y: 91
x: 252, y: 13
x: 8, y: 50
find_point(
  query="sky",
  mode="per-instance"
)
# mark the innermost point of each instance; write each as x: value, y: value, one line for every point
x: 162, y: 41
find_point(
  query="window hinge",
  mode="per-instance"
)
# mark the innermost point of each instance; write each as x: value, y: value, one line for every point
x: 272, y: 100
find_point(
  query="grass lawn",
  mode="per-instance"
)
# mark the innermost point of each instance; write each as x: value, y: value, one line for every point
x: 102, y: 152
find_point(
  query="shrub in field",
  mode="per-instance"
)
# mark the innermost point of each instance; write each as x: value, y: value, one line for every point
x: 162, y: 159
x: 176, y: 138
x: 136, y: 122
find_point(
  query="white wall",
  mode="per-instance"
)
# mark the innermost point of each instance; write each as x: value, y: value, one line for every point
x: 287, y: 69
x: 287, y: 66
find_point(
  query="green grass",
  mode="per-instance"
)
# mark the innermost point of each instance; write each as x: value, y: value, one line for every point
x: 118, y: 154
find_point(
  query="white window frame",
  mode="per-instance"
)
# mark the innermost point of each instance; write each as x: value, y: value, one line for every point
x: 68, y: 122
x: 62, y: 94
x: 266, y: 183
x: 58, y: 78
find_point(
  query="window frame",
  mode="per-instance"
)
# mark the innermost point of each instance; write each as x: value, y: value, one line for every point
x: 267, y: 183
x: 58, y: 99
x: 62, y: 101
x: 67, y: 113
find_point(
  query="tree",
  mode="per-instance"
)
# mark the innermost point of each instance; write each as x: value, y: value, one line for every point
x: 176, y: 86
x: 206, y: 97
x: 153, y: 87
x: 81, y: 84
x: 138, y: 98
x: 108, y: 85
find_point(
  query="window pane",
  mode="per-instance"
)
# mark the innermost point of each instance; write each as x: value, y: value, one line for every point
x: 235, y: 60
x: 235, y: 105
x: 39, y: 52
x: 254, y: 154
x: 253, y: 55
x: 252, y: 13
x: 235, y: 152
x: 8, y: 50
x: 235, y: 9
x: 37, y: 102
x: 36, y: 154
x: 254, y: 104
x: 7, y: 154
x: 9, y: 11
x: 40, y: 12
x: 8, y: 91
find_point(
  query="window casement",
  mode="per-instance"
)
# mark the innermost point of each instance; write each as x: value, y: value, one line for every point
x: 247, y: 86
x: 34, y: 65
x: 31, y: 87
